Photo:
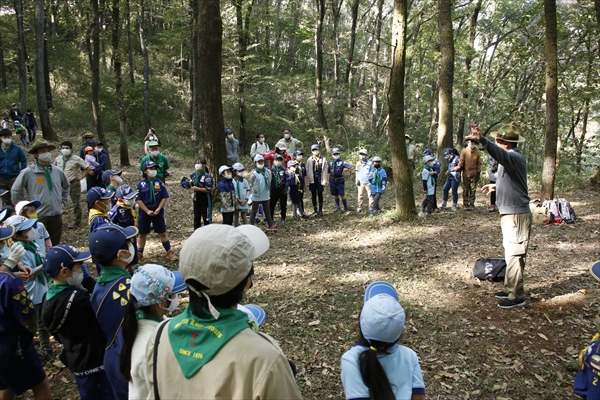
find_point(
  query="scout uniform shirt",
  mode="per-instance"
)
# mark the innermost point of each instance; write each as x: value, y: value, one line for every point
x: 336, y: 169
x: 71, y: 165
x: 151, y: 193
x: 587, y: 380
x: 202, y: 179
x: 15, y: 305
x: 123, y: 215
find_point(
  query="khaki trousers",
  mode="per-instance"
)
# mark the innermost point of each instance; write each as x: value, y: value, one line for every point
x: 469, y: 190
x: 361, y: 193
x: 516, y: 229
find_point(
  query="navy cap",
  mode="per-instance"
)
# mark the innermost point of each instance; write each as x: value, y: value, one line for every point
x: 107, y: 174
x: 179, y: 285
x: 125, y: 192
x: 335, y: 151
x: 314, y: 147
x: 98, y: 193
x: 228, y: 131
x: 380, y: 287
x: 376, y: 159
x: 595, y: 270
x: 428, y: 151
x: 109, y: 238
x: 61, y: 256
x: 297, y: 153
x: 149, y: 164
x: 278, y: 156
x: 7, y: 232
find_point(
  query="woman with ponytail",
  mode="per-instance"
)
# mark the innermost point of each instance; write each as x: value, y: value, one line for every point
x: 153, y: 295
x: 377, y: 367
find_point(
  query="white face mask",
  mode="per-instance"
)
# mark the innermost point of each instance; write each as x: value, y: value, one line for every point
x: 131, y: 251
x: 315, y: 152
x: 287, y: 136
x: 75, y: 279
x: 98, y: 149
x: 154, y: 153
x: 261, y: 140
x: 336, y: 156
x: 151, y: 173
x: 31, y: 235
x: 172, y: 304
x: 227, y: 176
x: 198, y: 167
x: 46, y: 157
x: 277, y: 163
x: 6, y: 141
x: 230, y: 137
x: 130, y: 202
x: 118, y: 179
x: 260, y: 166
x: 65, y: 152
x: 299, y: 158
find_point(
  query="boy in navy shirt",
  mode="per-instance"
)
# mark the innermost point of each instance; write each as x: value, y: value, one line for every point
x: 336, y: 171
x: 99, y: 201
x: 300, y: 172
x: 123, y: 212
x: 69, y: 316
x: 226, y: 193
x: 112, y: 247
x: 435, y: 166
x: 152, y: 196
x: 316, y: 169
x: 279, y: 187
x: 200, y: 183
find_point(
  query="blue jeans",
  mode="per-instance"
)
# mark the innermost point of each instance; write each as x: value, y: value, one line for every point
x: 451, y: 182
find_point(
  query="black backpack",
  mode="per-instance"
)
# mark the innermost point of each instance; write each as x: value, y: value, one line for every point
x: 491, y: 269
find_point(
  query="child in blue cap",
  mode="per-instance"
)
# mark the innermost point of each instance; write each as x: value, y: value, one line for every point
x: 200, y: 183
x: 112, y: 247
x: 378, y: 181
x: 336, y: 169
x: 377, y: 367
x: 227, y: 194
x: 21, y: 368
x: 428, y: 186
x: 435, y: 166
x: 69, y: 316
x: 123, y: 212
x: 316, y: 170
x: 452, y: 177
x: 152, y: 197
x: 99, y: 202
x: 279, y: 187
x: 242, y: 192
x: 300, y: 173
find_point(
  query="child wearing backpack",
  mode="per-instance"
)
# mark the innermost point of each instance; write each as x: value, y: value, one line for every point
x: 21, y: 132
x: 377, y: 367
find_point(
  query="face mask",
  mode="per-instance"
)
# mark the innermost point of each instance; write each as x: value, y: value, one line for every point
x: 336, y: 156
x: 7, y: 141
x: 227, y: 176
x: 315, y: 152
x: 75, y: 279
x: 32, y: 216
x: 198, y: 167
x: 261, y: 140
x: 89, y: 141
x: 298, y: 158
x: 172, y: 304
x: 260, y: 166
x: 46, y: 157
x: 151, y: 173
x: 118, y: 179
x: 98, y: 149
x: 287, y: 136
x: 131, y: 251
x: 154, y: 153
x: 65, y: 152
x: 31, y: 235
x: 377, y: 165
x: 362, y: 157
x: 230, y: 137
x: 130, y: 202
x: 277, y: 163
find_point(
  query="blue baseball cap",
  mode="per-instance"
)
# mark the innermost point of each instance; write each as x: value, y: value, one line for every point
x: 314, y: 147
x: 448, y: 151
x: 98, y: 193
x: 256, y: 313
x: 179, y: 285
x: 109, y: 238
x: 380, y: 287
x: 20, y: 223
x: 228, y: 131
x: 382, y: 319
x: 595, y: 270
x: 149, y: 164
x: 125, y: 192
x: 428, y: 151
x: 61, y: 256
x: 278, y: 157
x: 107, y: 174
x: 7, y: 232
x: 297, y: 153
x: 335, y: 151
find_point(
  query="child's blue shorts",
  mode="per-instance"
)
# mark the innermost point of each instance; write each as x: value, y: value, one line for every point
x: 158, y: 221
x: 19, y: 372
x: 336, y: 185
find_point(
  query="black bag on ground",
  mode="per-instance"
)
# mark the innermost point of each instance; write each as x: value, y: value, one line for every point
x: 491, y: 269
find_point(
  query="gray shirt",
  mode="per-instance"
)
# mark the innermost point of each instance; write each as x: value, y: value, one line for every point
x: 33, y: 181
x: 511, y: 185
x: 233, y: 149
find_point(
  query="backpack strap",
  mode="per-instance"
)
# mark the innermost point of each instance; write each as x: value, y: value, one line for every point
x: 155, y: 358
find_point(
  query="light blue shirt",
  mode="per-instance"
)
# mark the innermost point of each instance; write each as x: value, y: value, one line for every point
x: 426, y: 176
x: 241, y: 190
x: 261, y: 185
x: 363, y: 171
x: 34, y: 286
x: 401, y: 366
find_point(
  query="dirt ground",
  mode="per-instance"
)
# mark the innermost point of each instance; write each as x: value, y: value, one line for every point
x: 312, y: 279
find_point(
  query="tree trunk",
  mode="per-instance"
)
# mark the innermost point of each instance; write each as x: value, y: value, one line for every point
x: 3, y: 81
x: 405, y: 200
x: 47, y: 84
x: 208, y: 76
x: 44, y: 115
x: 22, y: 55
x: 129, y: 41
x: 276, y: 54
x: 446, y: 104
x: 296, y: 10
x: 549, y: 170
x: 117, y: 66
x: 194, y: 83
x: 596, y: 178
x: 349, y: 66
x: 319, y: 64
x: 146, y: 64
x: 242, y: 36
x: 336, y: 10
x: 93, y: 45
x: 375, y: 93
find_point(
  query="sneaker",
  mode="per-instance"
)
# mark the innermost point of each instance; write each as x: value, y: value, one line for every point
x: 436, y: 210
x: 336, y: 209
x: 283, y: 220
x: 172, y: 256
x: 258, y: 221
x: 272, y: 228
x: 370, y: 213
x: 358, y: 210
x: 346, y: 210
x: 46, y: 353
x: 443, y: 205
x: 304, y: 216
x: 501, y: 295
x: 73, y: 226
x: 491, y: 208
x: 321, y: 213
x: 429, y: 215
x: 454, y: 208
x: 507, y: 303
x: 379, y: 212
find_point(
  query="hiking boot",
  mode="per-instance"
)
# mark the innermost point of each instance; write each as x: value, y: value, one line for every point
x: 272, y: 228
x: 492, y: 208
x: 171, y: 255
x: 73, y: 226
x: 443, y: 205
x: 46, y: 354
x: 501, y: 295
x: 507, y: 303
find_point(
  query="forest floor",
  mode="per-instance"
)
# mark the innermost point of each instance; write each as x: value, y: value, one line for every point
x: 311, y: 284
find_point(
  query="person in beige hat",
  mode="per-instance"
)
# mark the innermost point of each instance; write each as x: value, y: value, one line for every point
x: 512, y: 199
x: 47, y: 183
x: 210, y: 350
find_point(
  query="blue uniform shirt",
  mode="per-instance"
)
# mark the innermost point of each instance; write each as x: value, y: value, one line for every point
x: 151, y: 192
x: 378, y: 180
x: 279, y: 180
x: 202, y: 179
x: 15, y: 304
x: 587, y: 380
x: 122, y: 215
x: 428, y: 181
x: 301, y: 174
x: 336, y: 168
x: 363, y: 171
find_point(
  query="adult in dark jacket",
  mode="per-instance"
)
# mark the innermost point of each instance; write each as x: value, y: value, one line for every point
x: 15, y: 114
x: 12, y: 161
x: 30, y: 124
x: 88, y: 141
x: 94, y: 178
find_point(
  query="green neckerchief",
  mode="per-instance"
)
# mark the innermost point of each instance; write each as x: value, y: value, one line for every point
x: 277, y: 177
x: 46, y: 169
x: 263, y: 172
x: 376, y: 177
x: 195, y: 340
x: 55, y: 289
x: 140, y: 314
x: 111, y: 187
x: 238, y: 181
x: 110, y: 273
x: 152, y: 194
x: 198, y: 175
x: 38, y: 258
x: 5, y: 148
x: 65, y: 159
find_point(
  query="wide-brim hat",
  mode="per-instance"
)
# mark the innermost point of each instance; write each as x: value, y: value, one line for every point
x: 39, y: 144
x: 508, y: 133
x: 88, y: 135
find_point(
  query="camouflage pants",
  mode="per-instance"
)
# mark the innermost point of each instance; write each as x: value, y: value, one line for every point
x: 469, y: 189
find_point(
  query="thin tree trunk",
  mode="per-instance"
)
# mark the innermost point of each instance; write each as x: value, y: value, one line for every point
x: 22, y: 55
x: 596, y: 178
x: 375, y: 92
x: 403, y: 188
x: 276, y: 55
x: 146, y: 64
x: 194, y: 83
x: 117, y: 66
x: 296, y: 10
x: 208, y: 75
x: 242, y: 36
x: 446, y: 104
x: 44, y: 115
x: 349, y: 66
x: 129, y: 42
x: 3, y: 81
x: 319, y: 64
x: 48, y: 86
x: 93, y: 45
x: 336, y: 9
x: 581, y: 142
x: 549, y: 169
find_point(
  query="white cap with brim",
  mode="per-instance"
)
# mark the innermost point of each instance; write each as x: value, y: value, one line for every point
x: 219, y: 257
x: 382, y: 319
x: 19, y: 206
x: 20, y: 223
